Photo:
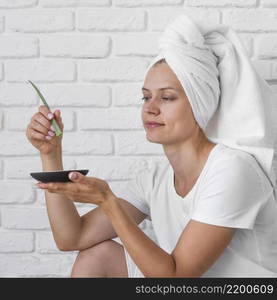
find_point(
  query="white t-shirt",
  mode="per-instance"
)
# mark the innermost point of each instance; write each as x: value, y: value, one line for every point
x: 233, y: 191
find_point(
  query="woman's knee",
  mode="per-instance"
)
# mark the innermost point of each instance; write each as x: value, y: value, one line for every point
x: 102, y: 260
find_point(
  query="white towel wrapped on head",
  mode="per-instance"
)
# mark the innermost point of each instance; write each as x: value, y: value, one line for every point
x: 230, y: 101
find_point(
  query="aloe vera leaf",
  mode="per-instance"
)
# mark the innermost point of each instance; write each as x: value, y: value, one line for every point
x: 57, y: 129
x: 54, y: 123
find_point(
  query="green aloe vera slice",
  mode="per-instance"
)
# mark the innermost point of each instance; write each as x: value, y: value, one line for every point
x: 57, y: 129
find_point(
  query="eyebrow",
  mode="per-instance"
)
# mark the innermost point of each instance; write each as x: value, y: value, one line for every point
x: 164, y: 88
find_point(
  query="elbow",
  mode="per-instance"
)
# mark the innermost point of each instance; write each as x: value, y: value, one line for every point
x: 64, y: 247
x: 70, y: 247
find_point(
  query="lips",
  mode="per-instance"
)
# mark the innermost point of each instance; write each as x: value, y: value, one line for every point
x: 153, y: 124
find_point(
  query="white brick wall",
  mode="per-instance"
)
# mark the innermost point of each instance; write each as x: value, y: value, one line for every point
x: 89, y: 57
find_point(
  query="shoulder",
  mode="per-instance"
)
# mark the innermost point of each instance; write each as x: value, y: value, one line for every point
x: 233, y: 169
x: 232, y: 191
x: 234, y: 162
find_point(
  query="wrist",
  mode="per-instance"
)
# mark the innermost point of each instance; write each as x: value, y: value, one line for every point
x: 52, y: 161
x: 55, y: 154
x: 109, y: 202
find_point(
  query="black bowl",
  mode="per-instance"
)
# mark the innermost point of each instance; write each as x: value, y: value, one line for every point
x: 55, y: 176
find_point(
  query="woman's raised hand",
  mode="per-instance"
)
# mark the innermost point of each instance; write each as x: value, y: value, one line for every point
x: 39, y: 131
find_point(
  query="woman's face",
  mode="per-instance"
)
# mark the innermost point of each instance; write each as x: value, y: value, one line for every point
x: 167, y: 106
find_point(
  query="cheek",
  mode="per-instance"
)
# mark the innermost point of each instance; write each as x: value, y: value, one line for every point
x: 176, y: 115
x: 180, y: 119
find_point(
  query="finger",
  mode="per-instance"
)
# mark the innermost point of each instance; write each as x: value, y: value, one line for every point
x: 41, y: 129
x: 60, y: 188
x: 54, y: 186
x: 58, y: 118
x: 46, y: 112
x: 36, y: 135
x: 42, y: 120
x: 77, y: 177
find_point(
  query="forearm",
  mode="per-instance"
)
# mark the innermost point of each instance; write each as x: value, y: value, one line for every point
x: 152, y: 260
x: 63, y: 216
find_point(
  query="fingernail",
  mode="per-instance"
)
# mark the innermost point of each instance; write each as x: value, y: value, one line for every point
x: 38, y: 185
x: 50, y: 116
x: 72, y: 175
x: 52, y: 128
x: 48, y: 137
x: 51, y: 133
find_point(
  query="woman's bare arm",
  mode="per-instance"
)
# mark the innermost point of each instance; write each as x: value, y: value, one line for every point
x: 70, y: 231
x: 199, y: 246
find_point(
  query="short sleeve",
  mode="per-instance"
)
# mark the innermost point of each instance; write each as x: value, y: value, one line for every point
x: 137, y: 193
x: 232, y: 194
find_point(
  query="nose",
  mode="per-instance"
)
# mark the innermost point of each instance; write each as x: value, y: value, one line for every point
x: 152, y: 106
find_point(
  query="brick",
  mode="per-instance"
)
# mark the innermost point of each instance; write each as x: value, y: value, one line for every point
x: 74, y: 3
x: 128, y: 95
x: 1, y: 23
x: 12, y: 47
x: 40, y: 70
x: 87, y: 143
x: 81, y: 46
x: 17, y: 94
x: 110, y: 20
x: 159, y: 18
x: 10, y: 192
x: 268, y: 3
x: 137, y: 3
x: 16, y: 242
x: 1, y: 71
x: 115, y: 118
x: 40, y: 21
x: 19, y: 119
x: 114, y: 69
x: 18, y: 3
x: 264, y: 68
x: 34, y: 265
x: 20, y: 168
x: 221, y: 3
x: 251, y: 20
x: 77, y: 95
x: 114, y: 168
x: 266, y: 46
x: 45, y: 243
x: 1, y: 169
x: 13, y: 143
x: 1, y: 119
x: 25, y: 218
x: 135, y: 143
x: 145, y: 44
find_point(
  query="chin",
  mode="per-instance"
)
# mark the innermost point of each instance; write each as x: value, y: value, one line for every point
x: 153, y: 140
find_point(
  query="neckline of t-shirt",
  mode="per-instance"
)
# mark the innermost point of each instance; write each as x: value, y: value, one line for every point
x: 211, y: 154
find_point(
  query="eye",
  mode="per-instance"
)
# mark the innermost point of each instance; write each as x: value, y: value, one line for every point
x: 144, y: 98
x: 166, y: 99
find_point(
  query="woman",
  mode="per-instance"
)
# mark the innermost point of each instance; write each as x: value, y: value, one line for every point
x: 212, y: 206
